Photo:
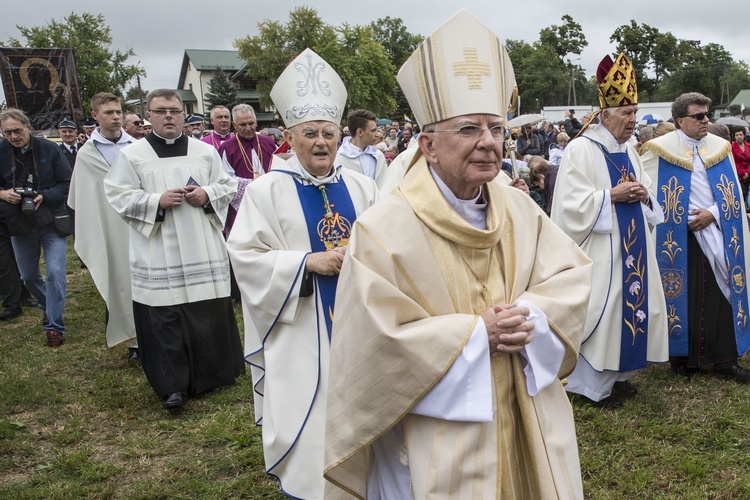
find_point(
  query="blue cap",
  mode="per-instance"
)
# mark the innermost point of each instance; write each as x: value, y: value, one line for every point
x: 67, y: 124
x: 89, y: 122
x: 195, y: 118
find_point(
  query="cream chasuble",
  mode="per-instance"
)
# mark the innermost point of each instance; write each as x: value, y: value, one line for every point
x: 286, y: 339
x: 182, y: 258
x: 102, y: 240
x: 406, y: 306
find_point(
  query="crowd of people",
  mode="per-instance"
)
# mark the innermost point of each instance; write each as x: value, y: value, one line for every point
x: 463, y: 282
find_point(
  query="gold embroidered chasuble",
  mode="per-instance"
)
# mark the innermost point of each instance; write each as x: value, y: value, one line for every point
x: 408, y: 304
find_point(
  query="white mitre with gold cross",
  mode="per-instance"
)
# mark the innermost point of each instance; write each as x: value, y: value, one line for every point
x: 460, y: 69
x: 309, y: 90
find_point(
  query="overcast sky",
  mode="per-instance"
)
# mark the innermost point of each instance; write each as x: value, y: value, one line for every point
x: 160, y: 31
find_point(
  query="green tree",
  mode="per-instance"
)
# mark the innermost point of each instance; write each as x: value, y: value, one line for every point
x: 395, y: 39
x: 352, y: 51
x: 221, y: 90
x: 100, y: 69
x: 654, y: 55
x: 399, y: 44
x: 568, y: 38
x: 541, y: 76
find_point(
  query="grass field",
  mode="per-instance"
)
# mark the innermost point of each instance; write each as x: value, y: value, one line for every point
x: 79, y: 421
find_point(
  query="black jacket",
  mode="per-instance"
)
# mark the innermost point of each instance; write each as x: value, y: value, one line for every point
x: 70, y: 156
x: 52, y: 176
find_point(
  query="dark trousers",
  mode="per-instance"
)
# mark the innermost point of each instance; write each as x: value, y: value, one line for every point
x: 10, y: 281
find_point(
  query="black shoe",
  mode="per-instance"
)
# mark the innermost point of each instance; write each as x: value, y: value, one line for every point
x: 30, y: 302
x: 133, y: 354
x: 625, y: 389
x: 174, y: 400
x: 611, y: 402
x: 734, y: 372
x: 684, y: 370
x: 11, y: 312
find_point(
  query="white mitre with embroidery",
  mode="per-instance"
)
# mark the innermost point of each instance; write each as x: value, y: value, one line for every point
x: 460, y: 69
x: 308, y: 90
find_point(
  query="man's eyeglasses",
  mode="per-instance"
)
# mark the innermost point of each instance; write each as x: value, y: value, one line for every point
x: 15, y: 131
x: 700, y: 116
x: 475, y: 132
x: 164, y: 112
x: 138, y: 123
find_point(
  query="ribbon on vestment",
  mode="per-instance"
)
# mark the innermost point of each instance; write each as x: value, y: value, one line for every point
x: 671, y: 242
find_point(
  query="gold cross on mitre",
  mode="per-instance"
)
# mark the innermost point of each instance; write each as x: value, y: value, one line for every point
x: 472, y: 68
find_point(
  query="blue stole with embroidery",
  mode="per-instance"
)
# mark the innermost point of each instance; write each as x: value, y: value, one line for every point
x: 671, y: 238
x: 633, y: 260
x: 329, y: 213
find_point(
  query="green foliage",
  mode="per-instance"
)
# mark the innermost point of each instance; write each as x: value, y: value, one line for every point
x: 667, y: 67
x: 100, y: 69
x: 398, y: 43
x: 353, y: 51
x: 568, y: 38
x: 221, y: 91
x: 10, y: 428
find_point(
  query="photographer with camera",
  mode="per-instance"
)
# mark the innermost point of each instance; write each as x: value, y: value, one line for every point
x: 34, y: 180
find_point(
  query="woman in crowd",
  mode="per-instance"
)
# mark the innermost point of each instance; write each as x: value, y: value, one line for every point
x: 741, y: 153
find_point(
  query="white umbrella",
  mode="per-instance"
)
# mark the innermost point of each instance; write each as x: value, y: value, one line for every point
x: 520, y: 121
x: 732, y: 121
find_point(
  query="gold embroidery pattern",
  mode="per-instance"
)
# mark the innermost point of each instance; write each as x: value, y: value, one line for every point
x: 730, y: 203
x: 673, y: 320
x: 635, y: 278
x: 672, y: 247
x: 334, y: 230
x: 673, y: 283
x: 738, y: 279
x: 472, y: 68
x: 673, y: 208
x: 734, y: 243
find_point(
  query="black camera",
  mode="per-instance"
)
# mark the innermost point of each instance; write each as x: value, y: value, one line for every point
x: 27, y: 194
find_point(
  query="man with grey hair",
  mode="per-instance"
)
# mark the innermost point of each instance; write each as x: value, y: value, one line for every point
x: 222, y: 125
x: 246, y: 156
x: 34, y: 183
x: 174, y: 194
x: 449, y: 292
x: 704, y: 241
x: 133, y: 125
x: 288, y: 246
x: 602, y: 202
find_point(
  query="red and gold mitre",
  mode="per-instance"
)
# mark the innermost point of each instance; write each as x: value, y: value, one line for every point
x: 616, y: 82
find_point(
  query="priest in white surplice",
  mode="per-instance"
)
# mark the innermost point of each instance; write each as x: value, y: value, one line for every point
x: 602, y: 202
x: 459, y: 310
x: 287, y: 247
x: 174, y: 194
x: 101, y: 235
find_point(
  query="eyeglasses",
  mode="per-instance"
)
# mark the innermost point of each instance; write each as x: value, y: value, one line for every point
x: 700, y: 116
x: 138, y: 122
x: 164, y: 112
x: 311, y: 135
x: 474, y: 132
x: 15, y: 131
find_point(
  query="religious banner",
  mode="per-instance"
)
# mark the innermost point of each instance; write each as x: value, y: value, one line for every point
x: 43, y: 83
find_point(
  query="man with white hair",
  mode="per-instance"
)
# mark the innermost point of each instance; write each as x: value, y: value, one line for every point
x: 246, y: 155
x: 602, y: 201
x: 287, y: 248
x: 460, y: 307
x: 222, y: 125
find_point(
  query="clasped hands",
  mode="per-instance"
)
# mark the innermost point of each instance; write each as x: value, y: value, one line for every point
x: 508, y: 328
x: 195, y: 195
x: 629, y: 192
x: 326, y: 263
